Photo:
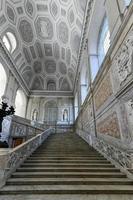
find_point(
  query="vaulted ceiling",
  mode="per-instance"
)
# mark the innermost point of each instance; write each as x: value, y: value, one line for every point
x: 48, y: 34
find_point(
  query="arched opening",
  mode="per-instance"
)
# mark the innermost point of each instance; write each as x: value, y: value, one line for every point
x: 51, y: 85
x: 3, y: 80
x: 51, y: 112
x: 10, y: 41
x: 98, y: 38
x: 20, y: 103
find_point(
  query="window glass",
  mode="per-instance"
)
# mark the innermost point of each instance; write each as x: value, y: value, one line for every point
x: 3, y: 80
x: 10, y: 42
x: 104, y: 40
x: 20, y: 103
x: 6, y: 43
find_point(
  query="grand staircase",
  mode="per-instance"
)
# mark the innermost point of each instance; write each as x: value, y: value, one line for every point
x: 66, y: 165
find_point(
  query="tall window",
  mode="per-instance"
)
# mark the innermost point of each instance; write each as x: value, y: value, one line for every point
x: 76, y: 108
x: 20, y: 103
x: 3, y: 80
x: 104, y: 40
x: 10, y: 41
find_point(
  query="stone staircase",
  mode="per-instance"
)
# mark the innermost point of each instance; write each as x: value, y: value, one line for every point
x: 66, y: 165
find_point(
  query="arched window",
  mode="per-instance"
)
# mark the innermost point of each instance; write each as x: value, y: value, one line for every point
x: 104, y: 40
x: 84, y: 80
x: 20, y: 103
x: 10, y: 41
x: 3, y: 80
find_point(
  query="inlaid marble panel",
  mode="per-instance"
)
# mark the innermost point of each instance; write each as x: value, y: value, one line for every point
x: 103, y: 92
x: 109, y: 126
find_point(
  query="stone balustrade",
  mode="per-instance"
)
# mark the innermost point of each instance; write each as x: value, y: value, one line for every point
x: 120, y: 154
x: 11, y: 159
x: 18, y: 127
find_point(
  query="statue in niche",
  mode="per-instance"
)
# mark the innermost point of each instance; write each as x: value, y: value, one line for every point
x: 65, y: 115
x: 35, y: 115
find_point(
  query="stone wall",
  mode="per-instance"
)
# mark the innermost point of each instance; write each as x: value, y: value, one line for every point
x: 51, y: 109
x: 108, y: 109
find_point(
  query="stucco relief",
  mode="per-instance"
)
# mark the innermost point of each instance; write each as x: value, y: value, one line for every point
x: 63, y: 32
x: 109, y: 126
x: 18, y: 130
x: 103, y: 92
x: 129, y: 111
x: 29, y: 7
x: 26, y: 31
x: 11, y: 14
x: 122, y: 66
x: 44, y: 28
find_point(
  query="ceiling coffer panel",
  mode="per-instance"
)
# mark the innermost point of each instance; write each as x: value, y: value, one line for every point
x: 49, y: 34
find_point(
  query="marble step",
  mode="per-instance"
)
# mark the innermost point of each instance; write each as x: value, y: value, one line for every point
x: 66, y: 158
x: 61, y: 161
x: 64, y: 165
x: 66, y: 189
x: 69, y: 181
x: 64, y: 169
x: 97, y: 165
x: 68, y: 175
x: 71, y: 161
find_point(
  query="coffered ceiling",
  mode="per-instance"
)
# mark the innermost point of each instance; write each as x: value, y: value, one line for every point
x: 48, y: 34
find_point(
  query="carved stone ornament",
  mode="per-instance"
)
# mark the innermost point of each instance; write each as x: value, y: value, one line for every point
x: 124, y: 60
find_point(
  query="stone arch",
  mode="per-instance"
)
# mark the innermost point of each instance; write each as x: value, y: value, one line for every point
x: 20, y: 103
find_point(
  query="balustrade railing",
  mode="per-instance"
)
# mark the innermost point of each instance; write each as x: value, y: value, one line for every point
x: 13, y: 158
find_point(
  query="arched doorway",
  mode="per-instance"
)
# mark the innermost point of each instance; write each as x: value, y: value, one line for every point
x: 51, y: 112
x: 20, y: 103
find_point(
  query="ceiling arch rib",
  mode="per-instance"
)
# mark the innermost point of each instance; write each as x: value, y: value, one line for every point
x: 49, y: 33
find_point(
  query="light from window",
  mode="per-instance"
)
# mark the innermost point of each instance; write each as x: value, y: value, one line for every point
x: 3, y: 80
x: 106, y: 43
x: 6, y: 43
x: 104, y: 40
x: 20, y: 103
x: 10, y: 42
